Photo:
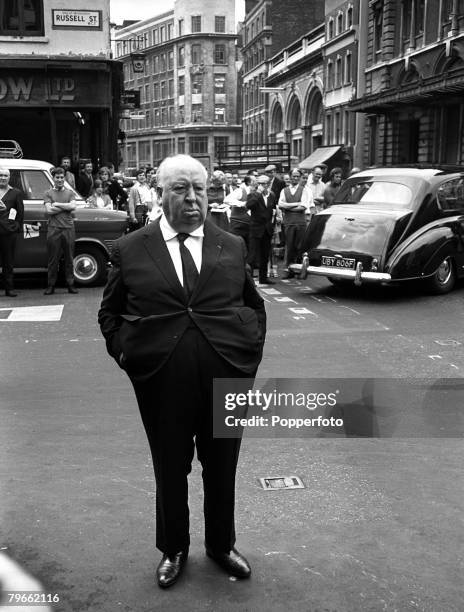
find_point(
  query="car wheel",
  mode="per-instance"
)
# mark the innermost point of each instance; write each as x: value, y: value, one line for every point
x: 89, y: 265
x: 444, y: 278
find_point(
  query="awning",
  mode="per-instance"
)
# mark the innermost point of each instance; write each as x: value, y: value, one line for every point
x: 319, y: 156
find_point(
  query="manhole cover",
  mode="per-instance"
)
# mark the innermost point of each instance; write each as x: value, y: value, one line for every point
x: 281, y: 482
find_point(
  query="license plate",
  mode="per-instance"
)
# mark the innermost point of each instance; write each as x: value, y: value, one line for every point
x: 338, y: 262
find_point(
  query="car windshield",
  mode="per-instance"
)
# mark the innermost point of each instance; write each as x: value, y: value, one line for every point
x: 380, y: 194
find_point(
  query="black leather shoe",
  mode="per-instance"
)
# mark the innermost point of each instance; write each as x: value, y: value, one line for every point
x: 170, y: 568
x: 72, y: 289
x: 267, y: 281
x: 233, y: 562
x: 49, y: 290
x: 11, y: 294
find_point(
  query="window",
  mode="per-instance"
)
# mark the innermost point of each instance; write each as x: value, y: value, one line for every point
x: 220, y: 145
x: 170, y: 29
x: 340, y: 23
x: 180, y: 27
x: 181, y: 115
x: 181, y: 57
x: 330, y: 75
x: 197, y: 84
x: 21, y: 18
x: 155, y: 64
x: 219, y: 24
x: 147, y: 93
x: 219, y: 54
x: 378, y: 27
x: 171, y: 115
x: 164, y: 116
x: 419, y: 17
x: 347, y: 128
x: 171, y: 60
x: 197, y: 113
x: 162, y: 33
x: 349, y: 17
x: 181, y: 145
x: 196, y: 23
x: 156, y: 117
x: 331, y: 28
x: 219, y: 83
x: 219, y: 114
x: 348, y: 68
x: 198, y: 145
x: 338, y: 72
x: 171, y: 88
x: 450, y: 195
x: 155, y: 34
x: 328, y: 129
x: 163, y: 90
x: 196, y: 54
x: 162, y: 65
x: 156, y: 91
x: 338, y: 128
x: 181, y: 85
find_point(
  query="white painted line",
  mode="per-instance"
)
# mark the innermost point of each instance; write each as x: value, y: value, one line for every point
x: 284, y: 299
x: 34, y: 313
x: 352, y: 309
x: 271, y: 292
x: 313, y: 297
x: 302, y: 311
x: 454, y: 366
x: 296, y: 318
x: 435, y: 357
x: 331, y: 299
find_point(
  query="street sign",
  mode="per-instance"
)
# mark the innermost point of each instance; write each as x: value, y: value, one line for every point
x: 130, y: 98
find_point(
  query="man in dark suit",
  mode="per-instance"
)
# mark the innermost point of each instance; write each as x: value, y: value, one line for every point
x: 276, y: 184
x: 11, y: 225
x: 85, y: 180
x: 174, y: 321
x: 262, y: 204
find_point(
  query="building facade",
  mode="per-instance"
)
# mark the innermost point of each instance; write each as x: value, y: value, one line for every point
x: 188, y: 88
x: 413, y: 81
x: 268, y: 27
x: 295, y: 95
x: 59, y: 88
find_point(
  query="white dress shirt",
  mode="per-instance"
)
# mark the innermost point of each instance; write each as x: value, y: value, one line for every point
x: 194, y: 243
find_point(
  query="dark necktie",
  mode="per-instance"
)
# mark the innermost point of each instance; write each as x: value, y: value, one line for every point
x: 189, y: 269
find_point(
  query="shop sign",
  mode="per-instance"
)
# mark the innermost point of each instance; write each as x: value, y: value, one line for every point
x: 87, y: 88
x: 70, y: 19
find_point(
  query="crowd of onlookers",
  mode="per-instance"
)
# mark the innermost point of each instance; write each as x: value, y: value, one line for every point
x: 234, y: 204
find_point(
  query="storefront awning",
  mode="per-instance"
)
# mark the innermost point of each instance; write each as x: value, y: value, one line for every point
x: 319, y: 156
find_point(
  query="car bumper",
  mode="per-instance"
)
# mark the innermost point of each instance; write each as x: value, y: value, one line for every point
x: 358, y: 276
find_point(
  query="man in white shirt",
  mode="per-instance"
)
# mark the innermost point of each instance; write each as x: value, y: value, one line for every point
x: 317, y: 187
x: 296, y: 202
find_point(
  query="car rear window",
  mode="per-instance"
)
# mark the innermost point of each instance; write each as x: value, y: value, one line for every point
x: 379, y: 193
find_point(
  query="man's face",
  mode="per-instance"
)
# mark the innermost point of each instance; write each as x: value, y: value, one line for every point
x: 88, y: 167
x: 337, y: 178
x: 4, y: 177
x: 317, y: 175
x: 58, y: 179
x: 228, y: 177
x: 287, y: 180
x: 263, y: 187
x: 295, y: 178
x: 303, y: 179
x: 141, y: 177
x: 184, y: 198
x: 65, y: 163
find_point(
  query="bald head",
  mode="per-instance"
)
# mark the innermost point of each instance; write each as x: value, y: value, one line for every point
x: 171, y: 165
x: 4, y: 177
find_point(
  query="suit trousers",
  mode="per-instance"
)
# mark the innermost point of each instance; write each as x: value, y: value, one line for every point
x: 294, y: 235
x: 258, y: 255
x: 176, y: 406
x: 7, y: 250
x: 60, y: 240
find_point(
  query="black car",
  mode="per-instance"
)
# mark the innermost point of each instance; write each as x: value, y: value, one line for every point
x: 390, y: 225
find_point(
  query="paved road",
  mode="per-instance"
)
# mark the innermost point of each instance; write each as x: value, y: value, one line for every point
x: 378, y: 527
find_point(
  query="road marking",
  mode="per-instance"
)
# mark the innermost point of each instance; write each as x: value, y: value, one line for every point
x: 299, y: 311
x: 433, y: 357
x: 352, y: 309
x: 33, y: 313
x: 447, y: 342
x: 284, y: 299
x: 297, y: 318
x: 271, y: 292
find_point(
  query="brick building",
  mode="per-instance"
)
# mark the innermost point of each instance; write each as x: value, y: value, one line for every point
x: 59, y: 88
x: 269, y: 26
x: 188, y: 89
x: 413, y: 81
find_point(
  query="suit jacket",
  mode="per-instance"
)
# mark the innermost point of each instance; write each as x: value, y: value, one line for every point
x: 84, y: 184
x: 276, y: 187
x: 262, y: 217
x: 145, y: 310
x: 13, y: 198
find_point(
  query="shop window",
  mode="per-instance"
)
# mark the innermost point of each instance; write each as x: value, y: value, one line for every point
x: 219, y: 54
x: 196, y: 23
x: 21, y: 18
x: 219, y: 24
